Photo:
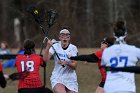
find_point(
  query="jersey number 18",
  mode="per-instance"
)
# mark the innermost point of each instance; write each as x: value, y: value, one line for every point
x: 28, y: 65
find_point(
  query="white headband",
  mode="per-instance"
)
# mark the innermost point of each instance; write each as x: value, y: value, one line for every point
x: 65, y: 31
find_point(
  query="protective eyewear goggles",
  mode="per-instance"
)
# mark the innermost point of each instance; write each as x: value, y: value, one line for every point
x: 104, y: 42
x: 65, y: 35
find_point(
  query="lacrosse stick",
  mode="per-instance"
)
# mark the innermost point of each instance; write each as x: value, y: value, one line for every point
x: 35, y: 13
x: 51, y: 15
x: 50, y: 21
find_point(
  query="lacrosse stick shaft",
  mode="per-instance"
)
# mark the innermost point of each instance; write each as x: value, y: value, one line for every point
x: 42, y: 46
x: 43, y: 43
x: 51, y: 19
x: 52, y: 47
x: 57, y: 55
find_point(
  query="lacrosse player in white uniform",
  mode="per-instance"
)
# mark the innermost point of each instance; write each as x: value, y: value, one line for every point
x: 120, y: 55
x: 64, y: 78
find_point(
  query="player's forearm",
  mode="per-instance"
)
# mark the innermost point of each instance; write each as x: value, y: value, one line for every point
x: 133, y: 69
x: 92, y: 58
x: 72, y: 64
x: 46, y: 55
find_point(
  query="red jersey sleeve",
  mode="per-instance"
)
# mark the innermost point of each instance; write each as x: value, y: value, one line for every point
x: 102, y: 70
x: 0, y: 67
x: 99, y: 54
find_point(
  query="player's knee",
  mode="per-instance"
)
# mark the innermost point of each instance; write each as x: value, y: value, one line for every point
x: 59, y: 91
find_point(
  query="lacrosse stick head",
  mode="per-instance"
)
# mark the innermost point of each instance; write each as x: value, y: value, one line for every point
x: 52, y: 15
x: 35, y: 13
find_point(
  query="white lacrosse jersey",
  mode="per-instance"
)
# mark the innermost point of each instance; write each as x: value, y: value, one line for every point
x: 120, y: 55
x: 64, y: 75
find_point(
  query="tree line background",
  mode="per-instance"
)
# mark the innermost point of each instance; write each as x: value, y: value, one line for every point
x: 89, y: 21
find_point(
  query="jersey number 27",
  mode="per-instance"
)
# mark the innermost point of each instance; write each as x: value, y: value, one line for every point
x: 119, y: 61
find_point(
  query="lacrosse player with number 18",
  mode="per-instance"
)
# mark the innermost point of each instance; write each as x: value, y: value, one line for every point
x: 31, y: 63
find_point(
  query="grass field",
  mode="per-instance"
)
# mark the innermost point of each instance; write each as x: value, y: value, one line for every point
x: 88, y: 77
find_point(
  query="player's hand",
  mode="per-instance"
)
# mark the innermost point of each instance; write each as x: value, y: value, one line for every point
x: 54, y: 41
x: 49, y: 44
x: 61, y: 62
x: 6, y: 76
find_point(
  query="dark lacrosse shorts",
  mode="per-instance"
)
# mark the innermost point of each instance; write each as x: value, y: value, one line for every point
x: 31, y: 90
